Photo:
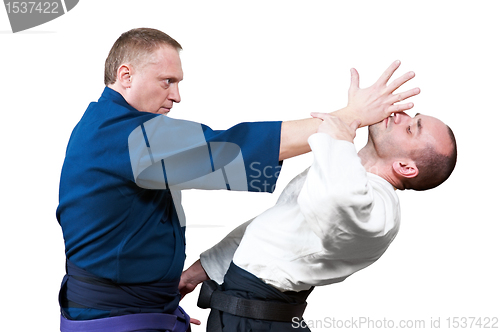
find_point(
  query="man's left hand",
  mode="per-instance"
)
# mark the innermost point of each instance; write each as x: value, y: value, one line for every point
x: 336, y: 128
x: 190, y: 278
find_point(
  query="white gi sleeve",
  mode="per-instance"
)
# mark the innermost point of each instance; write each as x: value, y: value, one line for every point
x: 336, y: 199
x: 216, y: 260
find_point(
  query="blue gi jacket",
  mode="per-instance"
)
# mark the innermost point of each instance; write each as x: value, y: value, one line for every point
x: 124, y: 232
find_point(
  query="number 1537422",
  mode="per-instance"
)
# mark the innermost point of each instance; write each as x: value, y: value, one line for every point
x: 29, y: 7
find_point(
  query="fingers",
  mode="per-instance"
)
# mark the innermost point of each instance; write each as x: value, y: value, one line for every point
x: 354, y: 79
x: 399, y: 108
x: 388, y: 73
x: 355, y: 125
x: 319, y: 115
x: 400, y: 81
x: 404, y: 95
x: 194, y: 321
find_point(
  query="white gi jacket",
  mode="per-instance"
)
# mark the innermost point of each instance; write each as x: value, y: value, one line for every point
x: 330, y: 221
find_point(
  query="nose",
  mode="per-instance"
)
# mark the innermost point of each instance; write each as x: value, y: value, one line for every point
x: 400, y: 117
x: 174, y: 94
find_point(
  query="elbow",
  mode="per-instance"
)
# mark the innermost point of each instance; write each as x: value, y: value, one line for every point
x: 337, y: 208
x: 355, y: 207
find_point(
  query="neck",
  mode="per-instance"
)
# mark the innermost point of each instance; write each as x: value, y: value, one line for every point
x: 373, y: 164
x: 117, y: 88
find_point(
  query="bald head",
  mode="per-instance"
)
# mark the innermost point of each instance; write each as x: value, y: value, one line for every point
x: 411, y: 153
x: 435, y: 162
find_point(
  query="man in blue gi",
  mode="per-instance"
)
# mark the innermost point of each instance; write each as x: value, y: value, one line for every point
x: 125, y: 165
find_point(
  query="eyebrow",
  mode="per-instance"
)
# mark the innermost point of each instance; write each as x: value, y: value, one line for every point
x: 419, y: 126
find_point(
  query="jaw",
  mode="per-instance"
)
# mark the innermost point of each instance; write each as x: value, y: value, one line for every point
x: 368, y: 155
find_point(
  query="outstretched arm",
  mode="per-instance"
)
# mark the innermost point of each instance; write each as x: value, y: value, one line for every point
x: 368, y: 106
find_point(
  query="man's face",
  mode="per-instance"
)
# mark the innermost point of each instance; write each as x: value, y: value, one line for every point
x: 399, y: 135
x: 154, y: 85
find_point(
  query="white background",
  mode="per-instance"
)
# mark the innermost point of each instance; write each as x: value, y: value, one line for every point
x: 267, y: 60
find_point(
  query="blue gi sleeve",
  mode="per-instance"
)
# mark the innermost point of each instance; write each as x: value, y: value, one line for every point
x: 178, y: 154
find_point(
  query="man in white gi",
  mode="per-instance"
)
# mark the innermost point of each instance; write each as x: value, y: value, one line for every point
x: 334, y: 219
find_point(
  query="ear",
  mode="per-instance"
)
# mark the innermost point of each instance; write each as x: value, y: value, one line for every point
x: 124, y: 76
x: 406, y: 169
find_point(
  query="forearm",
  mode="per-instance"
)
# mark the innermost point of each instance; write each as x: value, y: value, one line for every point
x: 195, y: 274
x: 294, y: 134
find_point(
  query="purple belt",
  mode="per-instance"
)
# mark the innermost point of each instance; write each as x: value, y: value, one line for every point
x: 178, y: 322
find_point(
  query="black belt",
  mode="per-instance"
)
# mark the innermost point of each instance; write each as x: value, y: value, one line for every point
x: 211, y: 297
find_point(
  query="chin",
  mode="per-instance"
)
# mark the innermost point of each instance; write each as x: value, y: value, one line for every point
x: 373, y: 127
x: 375, y: 130
x: 378, y: 126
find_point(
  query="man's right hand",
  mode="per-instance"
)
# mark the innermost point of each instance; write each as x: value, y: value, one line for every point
x: 375, y: 103
x: 368, y: 106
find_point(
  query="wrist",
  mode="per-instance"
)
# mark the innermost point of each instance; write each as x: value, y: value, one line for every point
x: 347, y: 115
x: 198, y: 273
